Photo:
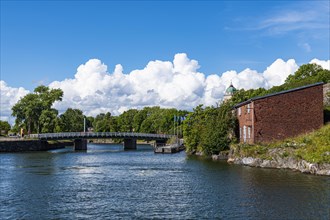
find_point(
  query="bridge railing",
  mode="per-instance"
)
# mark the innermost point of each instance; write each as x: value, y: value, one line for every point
x: 71, y: 135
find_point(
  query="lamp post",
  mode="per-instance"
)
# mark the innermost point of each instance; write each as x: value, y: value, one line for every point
x: 84, y: 124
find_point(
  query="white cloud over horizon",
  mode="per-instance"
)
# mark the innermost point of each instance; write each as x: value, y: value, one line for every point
x: 177, y: 83
x: 8, y: 98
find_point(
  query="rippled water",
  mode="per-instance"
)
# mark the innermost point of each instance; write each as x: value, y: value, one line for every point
x: 108, y: 183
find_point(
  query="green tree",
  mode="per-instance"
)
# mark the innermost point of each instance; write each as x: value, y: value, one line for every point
x: 72, y: 120
x: 193, y: 128
x: 89, y: 122
x: 47, y: 120
x: 4, y: 127
x: 219, y: 124
x: 208, y: 129
x: 305, y: 71
x: 102, y: 122
x: 125, y: 120
x: 139, y: 117
x: 29, y: 108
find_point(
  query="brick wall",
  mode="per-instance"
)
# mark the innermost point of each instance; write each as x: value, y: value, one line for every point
x: 288, y: 114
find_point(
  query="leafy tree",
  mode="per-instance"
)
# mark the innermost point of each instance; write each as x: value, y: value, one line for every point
x: 72, y: 120
x: 139, y: 117
x: 304, y: 72
x: 47, y: 120
x: 125, y: 120
x: 105, y: 123
x: 219, y: 124
x: 193, y: 128
x: 89, y: 121
x: 4, y: 127
x: 166, y: 122
x: 29, y: 108
x: 243, y: 95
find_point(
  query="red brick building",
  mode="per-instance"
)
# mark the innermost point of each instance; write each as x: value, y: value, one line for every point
x: 281, y: 115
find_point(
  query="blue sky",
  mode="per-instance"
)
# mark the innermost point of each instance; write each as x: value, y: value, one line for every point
x: 43, y: 41
x: 110, y: 56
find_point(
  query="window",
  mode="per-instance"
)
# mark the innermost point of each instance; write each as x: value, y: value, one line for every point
x: 244, y: 134
x: 239, y: 111
x: 248, y: 108
x: 249, y: 132
x: 240, y: 132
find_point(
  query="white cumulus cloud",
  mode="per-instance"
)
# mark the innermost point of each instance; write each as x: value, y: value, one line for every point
x: 278, y: 71
x: 325, y: 64
x: 174, y: 83
x: 8, y: 98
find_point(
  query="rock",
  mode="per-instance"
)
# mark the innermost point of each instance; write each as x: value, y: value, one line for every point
x: 266, y: 164
x: 199, y: 153
x: 231, y: 160
x: 286, y: 163
x: 220, y: 156
x: 248, y: 161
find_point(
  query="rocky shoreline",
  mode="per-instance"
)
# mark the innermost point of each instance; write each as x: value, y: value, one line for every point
x: 287, y: 163
x: 277, y: 162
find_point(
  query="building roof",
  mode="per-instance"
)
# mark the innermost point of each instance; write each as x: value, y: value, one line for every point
x: 277, y: 93
x: 231, y: 90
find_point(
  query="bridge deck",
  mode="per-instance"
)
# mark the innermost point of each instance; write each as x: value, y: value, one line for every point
x: 98, y: 135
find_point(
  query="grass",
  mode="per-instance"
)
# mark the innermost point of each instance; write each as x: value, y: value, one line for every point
x: 313, y: 147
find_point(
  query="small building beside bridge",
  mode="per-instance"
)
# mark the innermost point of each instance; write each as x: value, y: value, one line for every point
x: 281, y: 115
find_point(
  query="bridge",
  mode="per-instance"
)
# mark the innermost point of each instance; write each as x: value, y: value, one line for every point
x: 80, y: 138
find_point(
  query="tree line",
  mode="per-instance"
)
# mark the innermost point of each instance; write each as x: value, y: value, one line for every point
x: 35, y: 114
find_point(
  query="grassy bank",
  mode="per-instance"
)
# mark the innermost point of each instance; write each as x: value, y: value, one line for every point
x: 313, y: 147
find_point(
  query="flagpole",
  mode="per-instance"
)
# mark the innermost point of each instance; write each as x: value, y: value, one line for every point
x: 174, y: 125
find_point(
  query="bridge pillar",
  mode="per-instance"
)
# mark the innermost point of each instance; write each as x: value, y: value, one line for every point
x: 80, y: 144
x: 129, y: 144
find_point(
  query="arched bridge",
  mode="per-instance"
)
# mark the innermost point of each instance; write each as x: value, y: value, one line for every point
x: 80, y: 138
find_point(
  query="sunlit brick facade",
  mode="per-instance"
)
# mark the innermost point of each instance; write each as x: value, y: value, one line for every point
x: 281, y: 115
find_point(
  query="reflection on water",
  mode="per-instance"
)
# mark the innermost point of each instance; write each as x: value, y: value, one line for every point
x: 108, y: 182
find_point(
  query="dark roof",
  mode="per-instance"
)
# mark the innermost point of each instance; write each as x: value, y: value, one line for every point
x: 277, y: 93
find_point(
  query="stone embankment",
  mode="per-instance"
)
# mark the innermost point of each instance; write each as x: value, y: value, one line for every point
x: 285, y: 163
x: 276, y: 160
x: 31, y: 145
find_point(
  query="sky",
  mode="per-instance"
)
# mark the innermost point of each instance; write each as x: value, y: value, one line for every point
x: 116, y: 55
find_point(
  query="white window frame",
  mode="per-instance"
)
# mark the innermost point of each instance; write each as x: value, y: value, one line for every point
x: 249, y: 132
x: 244, y: 134
x: 248, y: 108
x: 239, y: 111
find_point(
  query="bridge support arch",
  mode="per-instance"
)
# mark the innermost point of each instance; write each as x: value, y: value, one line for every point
x: 129, y: 144
x: 80, y: 144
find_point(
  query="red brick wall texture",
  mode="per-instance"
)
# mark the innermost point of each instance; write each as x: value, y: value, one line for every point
x: 285, y: 115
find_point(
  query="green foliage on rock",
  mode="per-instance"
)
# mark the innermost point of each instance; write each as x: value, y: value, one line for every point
x: 209, y: 130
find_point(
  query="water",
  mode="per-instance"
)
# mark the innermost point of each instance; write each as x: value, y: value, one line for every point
x: 108, y: 183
